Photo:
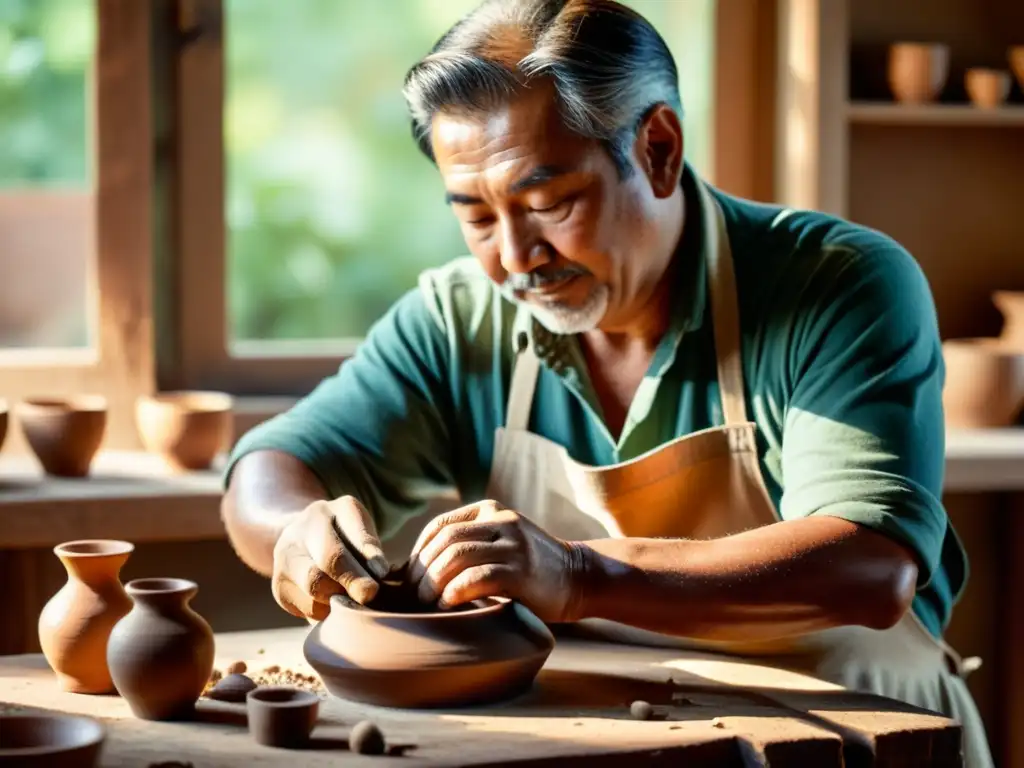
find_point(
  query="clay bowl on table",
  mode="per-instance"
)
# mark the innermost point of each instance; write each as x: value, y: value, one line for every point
x: 917, y: 72
x: 64, y: 433
x: 281, y: 716
x: 489, y: 651
x: 187, y: 429
x: 984, y: 383
x: 50, y: 741
x: 1011, y: 305
x: 988, y: 88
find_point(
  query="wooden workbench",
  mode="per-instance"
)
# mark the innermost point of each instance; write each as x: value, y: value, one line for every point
x: 712, y: 711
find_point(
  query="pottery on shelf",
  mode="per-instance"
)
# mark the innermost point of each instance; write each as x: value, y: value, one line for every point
x: 161, y: 654
x: 988, y: 88
x: 917, y: 72
x: 64, y: 433
x: 188, y: 429
x: 1011, y: 305
x: 75, y: 624
x: 1016, y: 58
x: 281, y: 716
x: 490, y: 652
x: 50, y: 741
x: 984, y: 383
x: 3, y: 421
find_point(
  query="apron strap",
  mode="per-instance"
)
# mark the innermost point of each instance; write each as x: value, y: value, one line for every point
x: 725, y: 314
x: 525, y: 369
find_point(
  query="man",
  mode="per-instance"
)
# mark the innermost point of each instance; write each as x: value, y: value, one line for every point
x: 674, y: 416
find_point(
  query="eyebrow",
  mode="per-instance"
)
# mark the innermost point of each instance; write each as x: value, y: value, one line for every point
x: 540, y: 175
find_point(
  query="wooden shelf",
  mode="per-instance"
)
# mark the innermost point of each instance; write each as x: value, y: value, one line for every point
x: 885, y: 113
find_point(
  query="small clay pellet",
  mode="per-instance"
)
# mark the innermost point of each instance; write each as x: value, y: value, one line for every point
x: 273, y: 669
x: 717, y: 723
x: 366, y: 739
x: 641, y: 710
x: 237, y: 668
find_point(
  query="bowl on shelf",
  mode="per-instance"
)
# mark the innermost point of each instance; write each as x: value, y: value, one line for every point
x: 187, y: 429
x: 1011, y: 305
x: 1016, y: 58
x: 64, y: 432
x: 984, y: 382
x: 988, y: 88
x: 50, y: 741
x: 917, y: 72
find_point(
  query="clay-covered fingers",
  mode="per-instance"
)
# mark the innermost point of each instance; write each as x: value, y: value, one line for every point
x: 359, y: 533
x: 440, y: 523
x: 453, y: 532
x: 459, y: 557
x: 478, y: 582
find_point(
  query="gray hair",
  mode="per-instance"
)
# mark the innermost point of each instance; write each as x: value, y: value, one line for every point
x: 608, y: 64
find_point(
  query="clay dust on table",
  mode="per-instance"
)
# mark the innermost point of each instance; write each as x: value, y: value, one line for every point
x: 272, y: 674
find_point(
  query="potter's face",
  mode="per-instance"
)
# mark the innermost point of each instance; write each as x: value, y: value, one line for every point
x: 546, y: 212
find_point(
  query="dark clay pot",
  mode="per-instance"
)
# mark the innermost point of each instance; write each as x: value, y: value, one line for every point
x: 490, y: 652
x: 161, y: 654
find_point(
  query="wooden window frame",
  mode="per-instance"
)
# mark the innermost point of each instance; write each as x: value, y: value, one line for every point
x: 118, y: 365
x: 196, y: 353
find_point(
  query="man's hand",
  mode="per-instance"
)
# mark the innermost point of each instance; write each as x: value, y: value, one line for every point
x: 484, y: 550
x: 314, y: 558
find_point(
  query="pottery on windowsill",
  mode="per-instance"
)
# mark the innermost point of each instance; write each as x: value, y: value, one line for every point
x: 161, y: 654
x: 64, y: 433
x: 917, y: 72
x: 75, y: 624
x: 1011, y: 305
x: 187, y: 429
x: 1016, y: 58
x: 281, y: 716
x: 988, y: 88
x: 50, y: 741
x: 489, y: 652
x: 984, y: 383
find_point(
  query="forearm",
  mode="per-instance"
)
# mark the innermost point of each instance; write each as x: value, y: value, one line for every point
x: 267, y: 488
x: 791, y: 577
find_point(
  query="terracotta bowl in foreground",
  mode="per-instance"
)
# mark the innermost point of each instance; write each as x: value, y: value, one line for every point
x: 50, y: 741
x: 490, y: 652
x: 64, y: 432
x: 984, y: 383
x: 187, y: 429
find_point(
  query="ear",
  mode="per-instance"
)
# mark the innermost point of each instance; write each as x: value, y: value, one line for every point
x: 659, y: 149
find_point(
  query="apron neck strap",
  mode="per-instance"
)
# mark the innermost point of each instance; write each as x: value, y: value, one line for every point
x: 725, y: 319
x: 725, y: 314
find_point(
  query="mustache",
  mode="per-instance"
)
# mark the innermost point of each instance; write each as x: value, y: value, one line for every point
x: 537, y: 279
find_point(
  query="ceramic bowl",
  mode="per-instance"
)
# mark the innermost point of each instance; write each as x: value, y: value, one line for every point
x: 988, y: 88
x: 492, y: 651
x: 64, y: 433
x: 50, y: 741
x: 1011, y: 305
x: 1016, y: 57
x: 917, y: 72
x: 3, y: 421
x: 281, y: 716
x: 984, y: 383
x: 188, y: 429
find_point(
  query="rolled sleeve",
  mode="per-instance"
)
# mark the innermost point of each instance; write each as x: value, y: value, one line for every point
x: 379, y: 428
x: 864, y: 436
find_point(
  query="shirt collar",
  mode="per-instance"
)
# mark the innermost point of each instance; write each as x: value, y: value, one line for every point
x: 690, y: 268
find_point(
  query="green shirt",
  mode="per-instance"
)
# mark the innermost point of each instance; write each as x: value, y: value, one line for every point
x: 843, y: 372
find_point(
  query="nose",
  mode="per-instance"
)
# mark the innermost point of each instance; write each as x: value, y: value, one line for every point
x: 521, y: 250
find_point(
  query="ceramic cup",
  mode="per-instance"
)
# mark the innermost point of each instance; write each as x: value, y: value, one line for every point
x: 188, y: 429
x: 988, y: 88
x: 64, y: 432
x: 280, y: 716
x: 50, y: 741
x: 984, y: 383
x: 917, y: 71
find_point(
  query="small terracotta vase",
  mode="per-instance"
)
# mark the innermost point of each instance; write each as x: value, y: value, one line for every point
x: 64, y: 433
x: 984, y: 383
x: 988, y: 88
x: 161, y: 653
x: 3, y: 421
x: 1011, y: 305
x: 492, y: 651
x: 188, y: 429
x: 1016, y: 58
x: 75, y: 625
x: 917, y: 71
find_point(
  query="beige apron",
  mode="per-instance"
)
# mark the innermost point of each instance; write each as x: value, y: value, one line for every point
x: 709, y: 485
